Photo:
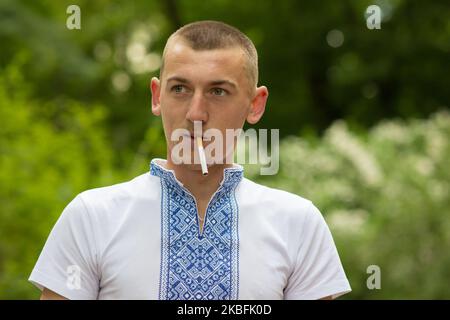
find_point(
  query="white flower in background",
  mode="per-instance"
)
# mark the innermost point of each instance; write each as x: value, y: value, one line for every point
x: 424, y: 166
x: 121, y: 81
x: 340, y: 190
x: 296, y: 156
x: 391, y: 131
x: 348, y: 146
x: 139, y: 58
x: 136, y: 52
x: 293, y: 153
x: 347, y: 221
x: 435, y: 143
x: 324, y: 162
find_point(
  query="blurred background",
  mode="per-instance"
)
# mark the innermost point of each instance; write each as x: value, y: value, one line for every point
x: 363, y: 116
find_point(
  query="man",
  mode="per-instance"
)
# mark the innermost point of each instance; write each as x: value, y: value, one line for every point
x: 174, y: 233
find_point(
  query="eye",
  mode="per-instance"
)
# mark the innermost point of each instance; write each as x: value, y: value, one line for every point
x: 178, y: 88
x: 218, y: 92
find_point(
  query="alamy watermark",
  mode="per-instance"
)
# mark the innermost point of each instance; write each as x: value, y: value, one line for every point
x: 73, y: 281
x: 253, y: 147
x: 74, y: 20
x: 374, y: 280
x: 373, y: 18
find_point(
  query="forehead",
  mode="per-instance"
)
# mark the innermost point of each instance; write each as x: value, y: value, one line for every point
x: 181, y: 60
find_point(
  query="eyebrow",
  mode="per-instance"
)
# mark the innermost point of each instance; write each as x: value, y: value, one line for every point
x: 222, y: 82
x: 178, y: 79
x: 213, y: 83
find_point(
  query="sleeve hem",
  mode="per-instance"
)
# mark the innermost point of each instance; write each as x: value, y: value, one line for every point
x: 41, y: 281
x: 334, y: 289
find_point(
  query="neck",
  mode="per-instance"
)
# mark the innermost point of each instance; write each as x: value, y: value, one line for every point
x: 202, y: 187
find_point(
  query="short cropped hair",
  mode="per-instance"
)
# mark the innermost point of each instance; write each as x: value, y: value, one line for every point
x: 210, y: 35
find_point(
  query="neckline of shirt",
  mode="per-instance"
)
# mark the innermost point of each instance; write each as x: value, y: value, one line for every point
x: 231, y: 176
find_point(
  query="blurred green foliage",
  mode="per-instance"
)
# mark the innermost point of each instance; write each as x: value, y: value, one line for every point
x: 371, y: 75
x: 47, y: 155
x: 386, y: 197
x: 75, y: 114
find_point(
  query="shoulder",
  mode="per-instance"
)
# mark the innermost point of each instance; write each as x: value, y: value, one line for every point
x: 258, y: 193
x: 115, y: 200
x: 143, y: 186
x: 276, y: 203
x: 101, y: 211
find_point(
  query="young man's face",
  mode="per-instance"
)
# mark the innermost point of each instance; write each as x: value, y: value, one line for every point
x: 210, y: 86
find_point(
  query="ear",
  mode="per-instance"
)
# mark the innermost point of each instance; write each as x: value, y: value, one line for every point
x: 258, y: 105
x: 155, y: 87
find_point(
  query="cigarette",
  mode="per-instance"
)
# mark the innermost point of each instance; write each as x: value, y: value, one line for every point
x: 201, y: 154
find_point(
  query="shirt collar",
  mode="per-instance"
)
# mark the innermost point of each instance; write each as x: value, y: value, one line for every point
x: 231, y: 176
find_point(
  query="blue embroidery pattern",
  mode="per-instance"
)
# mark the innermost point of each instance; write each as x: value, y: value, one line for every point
x: 198, y: 266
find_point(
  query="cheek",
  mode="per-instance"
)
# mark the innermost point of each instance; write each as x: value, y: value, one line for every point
x: 170, y: 111
x: 231, y: 120
x: 240, y: 113
x: 173, y: 108
x: 173, y: 117
x: 167, y: 120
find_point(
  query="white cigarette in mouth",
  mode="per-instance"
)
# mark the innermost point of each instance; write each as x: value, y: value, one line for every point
x: 201, y: 155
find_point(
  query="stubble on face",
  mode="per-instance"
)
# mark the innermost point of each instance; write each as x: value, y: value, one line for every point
x: 200, y: 69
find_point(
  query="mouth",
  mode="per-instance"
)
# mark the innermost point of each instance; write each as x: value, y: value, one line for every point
x: 194, y: 137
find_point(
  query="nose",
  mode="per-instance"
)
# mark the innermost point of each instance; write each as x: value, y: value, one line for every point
x: 197, y: 108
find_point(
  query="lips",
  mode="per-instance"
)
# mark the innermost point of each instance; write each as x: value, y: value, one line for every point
x: 192, y: 136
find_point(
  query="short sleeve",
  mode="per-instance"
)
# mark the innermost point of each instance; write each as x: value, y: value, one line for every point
x: 67, y: 264
x: 318, y: 271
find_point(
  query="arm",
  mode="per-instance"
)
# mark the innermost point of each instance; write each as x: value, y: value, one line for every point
x: 50, y: 295
x: 69, y: 253
x: 318, y: 272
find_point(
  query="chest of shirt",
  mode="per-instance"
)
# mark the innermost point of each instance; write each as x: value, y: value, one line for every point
x: 133, y: 265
